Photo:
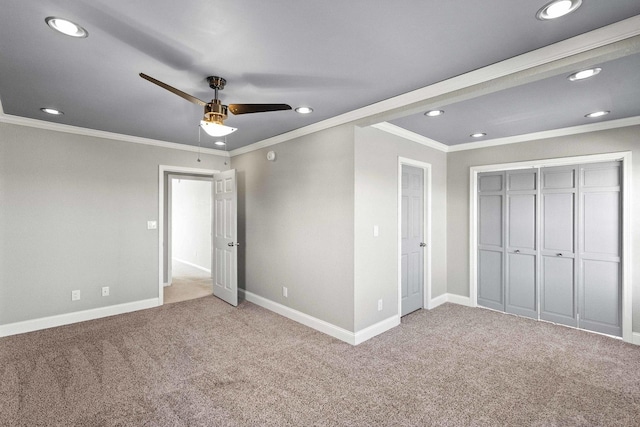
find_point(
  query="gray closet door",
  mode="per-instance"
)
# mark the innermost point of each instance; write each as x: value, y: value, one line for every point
x: 412, y: 227
x: 491, y: 207
x: 558, y: 272
x: 521, y: 246
x: 599, y: 243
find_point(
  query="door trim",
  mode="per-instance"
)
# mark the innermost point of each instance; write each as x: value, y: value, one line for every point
x: 160, y: 230
x: 625, y: 158
x: 426, y: 295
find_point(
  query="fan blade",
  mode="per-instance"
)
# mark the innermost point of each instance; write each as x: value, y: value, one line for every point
x: 257, y: 108
x: 174, y: 90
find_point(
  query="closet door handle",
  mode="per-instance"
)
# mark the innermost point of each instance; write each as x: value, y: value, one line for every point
x: 558, y: 254
x: 517, y: 251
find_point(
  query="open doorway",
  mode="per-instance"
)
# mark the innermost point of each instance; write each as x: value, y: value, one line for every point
x: 190, y: 261
x: 188, y: 238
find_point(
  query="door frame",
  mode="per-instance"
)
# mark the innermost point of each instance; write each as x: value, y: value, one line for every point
x: 625, y: 158
x: 162, y: 169
x: 426, y: 294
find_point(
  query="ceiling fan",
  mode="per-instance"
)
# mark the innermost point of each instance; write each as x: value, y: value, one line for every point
x: 215, y: 112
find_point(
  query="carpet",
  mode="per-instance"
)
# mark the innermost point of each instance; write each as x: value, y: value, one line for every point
x: 204, y: 363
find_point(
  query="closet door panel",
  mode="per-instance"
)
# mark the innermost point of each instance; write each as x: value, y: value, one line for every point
x: 558, y: 216
x: 522, y: 285
x: 601, y: 298
x: 601, y: 223
x: 558, y: 271
x: 557, y: 297
x: 491, y: 195
x: 600, y: 284
x: 522, y: 221
x: 490, y: 283
x: 521, y: 269
x: 490, y: 219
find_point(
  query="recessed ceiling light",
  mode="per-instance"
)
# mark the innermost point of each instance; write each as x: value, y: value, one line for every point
x: 478, y: 135
x: 52, y: 111
x: 67, y: 27
x: 584, y: 74
x: 597, y: 114
x: 557, y: 8
x: 434, y: 113
x: 220, y: 143
x: 304, y: 110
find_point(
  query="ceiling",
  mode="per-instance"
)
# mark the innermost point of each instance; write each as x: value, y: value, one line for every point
x: 335, y: 56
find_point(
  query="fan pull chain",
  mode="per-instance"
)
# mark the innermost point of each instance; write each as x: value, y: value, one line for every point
x: 199, y: 131
x: 225, y: 149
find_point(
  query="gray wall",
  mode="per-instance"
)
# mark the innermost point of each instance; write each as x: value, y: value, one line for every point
x: 376, y: 203
x: 458, y: 164
x: 73, y: 215
x: 295, y: 224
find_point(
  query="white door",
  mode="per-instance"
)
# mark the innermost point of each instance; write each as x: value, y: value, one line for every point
x: 412, y: 226
x: 225, y: 245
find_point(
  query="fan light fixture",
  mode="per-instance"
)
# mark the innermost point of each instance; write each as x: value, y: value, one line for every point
x: 557, y: 8
x: 216, y: 129
x: 584, y: 74
x: 434, y: 113
x: 66, y: 27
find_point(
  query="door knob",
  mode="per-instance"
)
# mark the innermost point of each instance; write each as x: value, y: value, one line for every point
x: 423, y: 244
x: 230, y: 244
x: 558, y: 254
x: 517, y: 251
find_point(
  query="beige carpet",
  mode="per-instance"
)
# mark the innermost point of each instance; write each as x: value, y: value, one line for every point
x: 205, y: 363
x: 187, y: 283
x: 186, y: 288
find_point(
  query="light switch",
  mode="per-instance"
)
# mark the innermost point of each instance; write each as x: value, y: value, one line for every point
x: 152, y: 225
x: 376, y: 231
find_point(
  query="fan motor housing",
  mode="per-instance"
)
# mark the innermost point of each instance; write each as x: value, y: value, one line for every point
x: 215, y: 111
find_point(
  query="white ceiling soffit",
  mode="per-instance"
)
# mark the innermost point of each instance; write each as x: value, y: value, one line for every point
x: 615, y: 40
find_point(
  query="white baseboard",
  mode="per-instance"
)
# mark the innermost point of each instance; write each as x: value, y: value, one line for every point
x: 320, y: 325
x: 376, y: 329
x: 298, y: 316
x: 75, y: 317
x: 636, y: 338
x: 452, y: 298
x: 435, y: 302
x: 190, y: 264
x: 460, y: 300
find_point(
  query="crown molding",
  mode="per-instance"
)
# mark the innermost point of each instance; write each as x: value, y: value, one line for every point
x: 582, y: 43
x: 411, y: 136
x: 536, y: 136
x: 57, y: 127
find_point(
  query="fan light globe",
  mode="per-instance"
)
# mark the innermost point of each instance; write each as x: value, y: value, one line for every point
x: 216, y: 129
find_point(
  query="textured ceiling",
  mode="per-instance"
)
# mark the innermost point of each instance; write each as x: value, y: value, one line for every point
x: 334, y: 55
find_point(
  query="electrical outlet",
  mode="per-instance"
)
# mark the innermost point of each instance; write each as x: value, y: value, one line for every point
x: 380, y: 305
x: 152, y: 225
x: 285, y: 292
x: 376, y: 231
x: 105, y: 291
x: 75, y: 295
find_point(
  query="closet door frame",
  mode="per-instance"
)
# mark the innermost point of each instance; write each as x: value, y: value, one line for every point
x: 626, y: 159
